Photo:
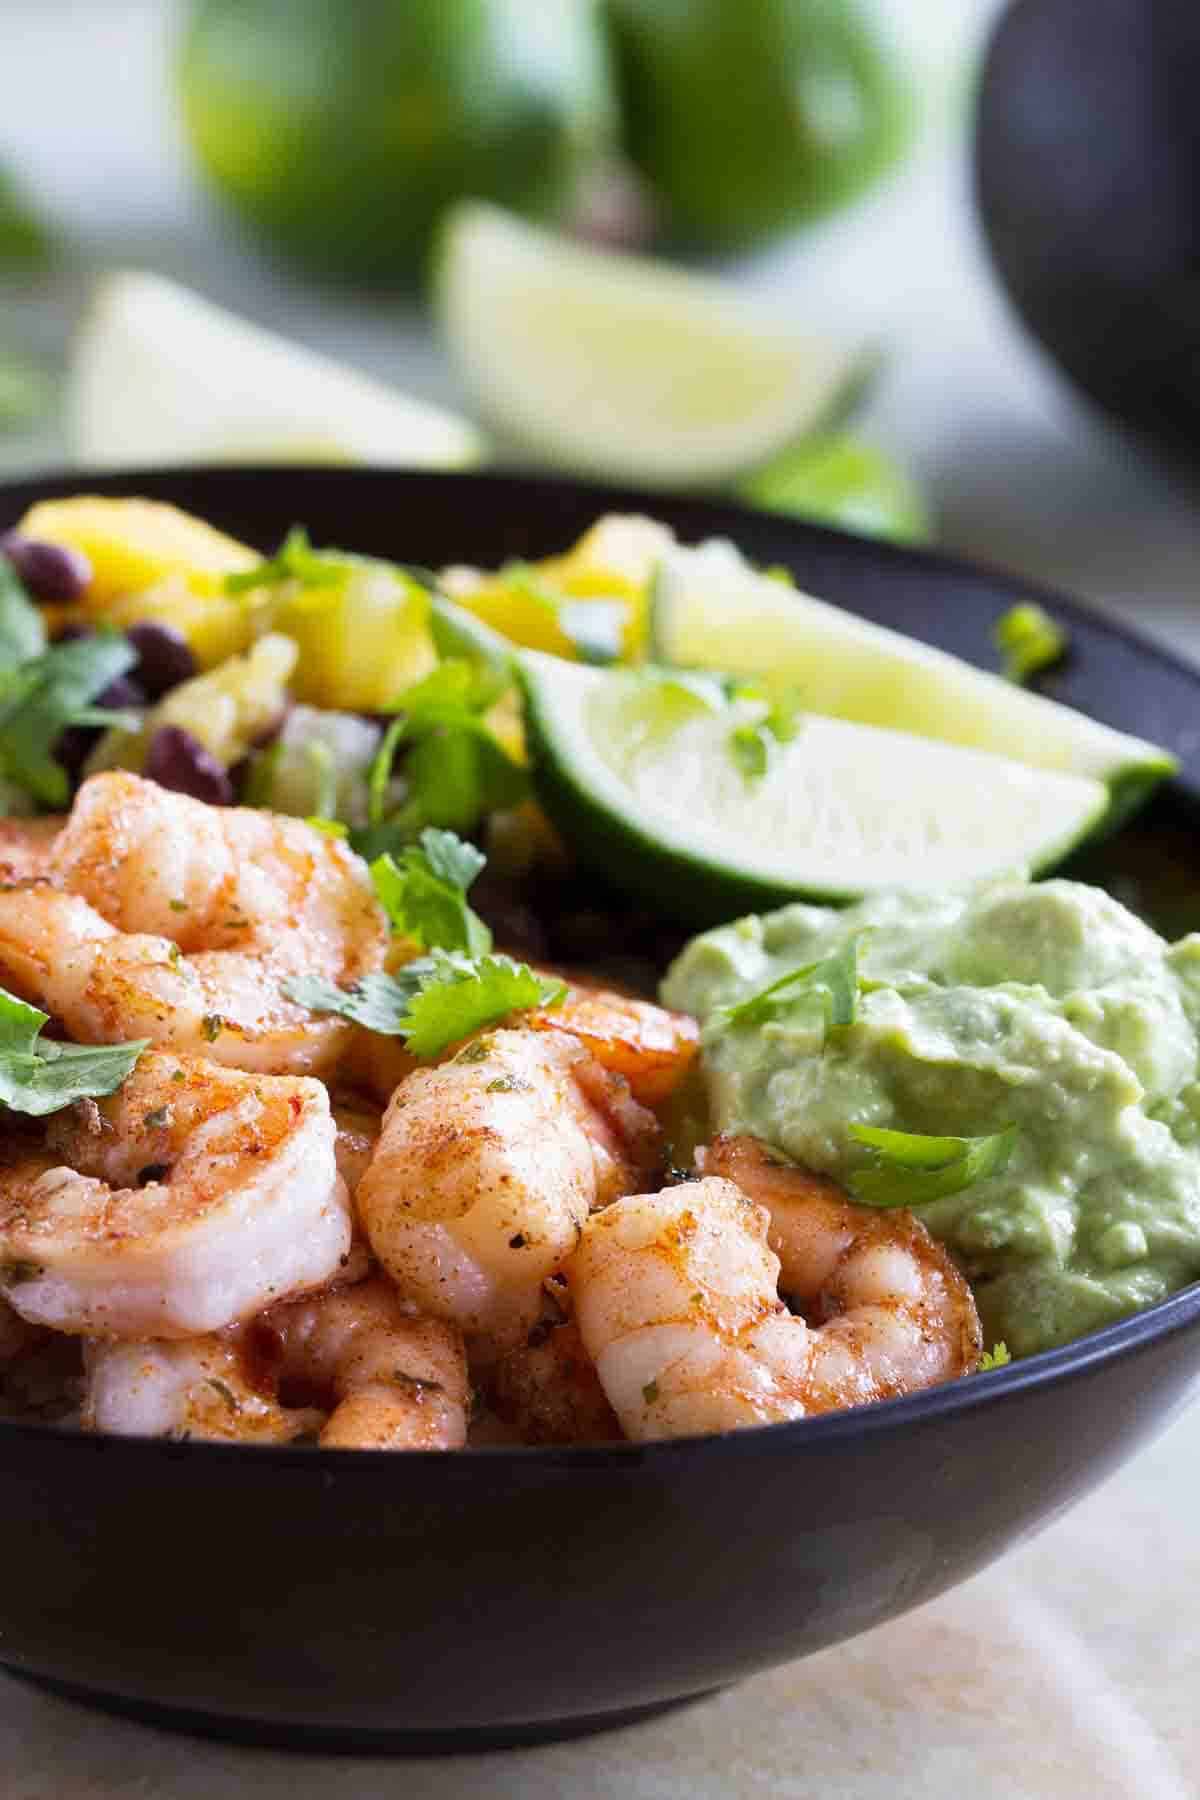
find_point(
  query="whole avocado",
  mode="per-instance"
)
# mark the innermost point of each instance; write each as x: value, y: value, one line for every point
x: 749, y: 116
x: 340, y: 132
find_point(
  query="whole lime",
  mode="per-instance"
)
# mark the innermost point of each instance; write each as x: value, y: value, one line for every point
x: 748, y: 116
x: 341, y: 129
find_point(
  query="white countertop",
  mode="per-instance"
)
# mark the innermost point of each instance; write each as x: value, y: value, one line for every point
x: 1067, y: 1670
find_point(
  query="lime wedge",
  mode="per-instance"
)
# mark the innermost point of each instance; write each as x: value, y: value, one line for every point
x: 640, y: 771
x: 711, y: 610
x: 622, y: 366
x: 161, y: 376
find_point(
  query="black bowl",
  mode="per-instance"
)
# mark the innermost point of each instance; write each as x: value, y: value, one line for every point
x: 1088, y: 179
x: 429, y: 1601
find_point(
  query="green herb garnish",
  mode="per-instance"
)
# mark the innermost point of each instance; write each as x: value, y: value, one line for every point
x: 996, y: 1357
x: 424, y: 889
x: 752, y: 745
x: 911, y: 1169
x: 434, y: 1001
x: 295, y: 560
x: 38, y: 1076
x: 1029, y: 640
x: 41, y: 697
x: 834, y: 981
x: 455, y: 770
x: 22, y: 628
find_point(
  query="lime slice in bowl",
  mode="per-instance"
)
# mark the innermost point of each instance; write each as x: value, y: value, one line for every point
x: 622, y: 366
x: 711, y: 610
x: 160, y: 376
x: 641, y: 771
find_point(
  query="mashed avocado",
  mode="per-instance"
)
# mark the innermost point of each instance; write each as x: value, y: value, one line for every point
x: 1047, y: 1007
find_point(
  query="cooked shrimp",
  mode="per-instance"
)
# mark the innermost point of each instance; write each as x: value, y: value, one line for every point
x: 548, y: 1390
x: 834, y: 1254
x: 486, y: 1168
x: 676, y: 1295
x: 190, y: 1199
x: 357, y: 1128
x: 650, y: 1046
x: 395, y: 1378
x: 176, y: 921
x: 25, y: 848
x: 195, y: 1388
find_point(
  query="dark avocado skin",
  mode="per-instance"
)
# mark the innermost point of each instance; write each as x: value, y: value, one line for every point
x: 1087, y: 162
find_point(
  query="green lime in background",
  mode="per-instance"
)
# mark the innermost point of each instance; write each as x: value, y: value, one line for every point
x: 340, y: 130
x: 749, y: 116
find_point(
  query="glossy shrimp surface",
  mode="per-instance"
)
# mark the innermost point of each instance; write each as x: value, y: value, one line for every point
x: 677, y: 1299
x: 169, y: 919
x: 650, y: 1046
x: 188, y: 1200
x: 486, y: 1168
x: 194, y: 1388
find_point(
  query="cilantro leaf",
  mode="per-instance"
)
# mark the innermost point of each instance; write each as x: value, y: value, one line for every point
x: 752, y: 745
x: 455, y: 769
x: 834, y: 980
x: 911, y: 1169
x: 750, y: 749
x: 996, y: 1357
x: 22, y: 631
x: 434, y: 1001
x: 1029, y: 640
x: 40, y: 1077
x: 465, y: 994
x: 295, y: 560
x: 424, y: 893
x: 42, y: 697
x: 378, y: 1002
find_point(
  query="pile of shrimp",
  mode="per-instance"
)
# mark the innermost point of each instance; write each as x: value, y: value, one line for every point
x: 283, y: 1229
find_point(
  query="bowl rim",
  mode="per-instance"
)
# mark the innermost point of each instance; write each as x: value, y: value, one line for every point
x: 1120, y: 1341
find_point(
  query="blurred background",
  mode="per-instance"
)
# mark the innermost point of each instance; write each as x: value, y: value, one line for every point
x: 293, y: 160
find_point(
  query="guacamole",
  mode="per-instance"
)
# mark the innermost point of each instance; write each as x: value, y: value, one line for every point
x: 1047, y: 1007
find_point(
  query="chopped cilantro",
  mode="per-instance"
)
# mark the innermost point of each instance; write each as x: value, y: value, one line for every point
x: 834, y: 981
x: 38, y: 1076
x: 295, y: 560
x: 455, y: 769
x: 751, y: 745
x: 423, y: 892
x: 911, y: 1169
x: 22, y: 630
x: 434, y: 1001
x: 41, y: 697
x: 1029, y: 640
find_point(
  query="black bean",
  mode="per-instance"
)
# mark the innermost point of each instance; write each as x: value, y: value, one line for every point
x: 49, y: 571
x: 177, y: 760
x: 122, y: 694
x: 164, y: 656
x: 74, y: 747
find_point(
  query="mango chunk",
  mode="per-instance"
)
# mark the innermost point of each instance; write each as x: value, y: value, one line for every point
x: 152, y: 561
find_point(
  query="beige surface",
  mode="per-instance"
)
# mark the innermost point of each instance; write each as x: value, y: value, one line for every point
x: 1060, y: 1674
